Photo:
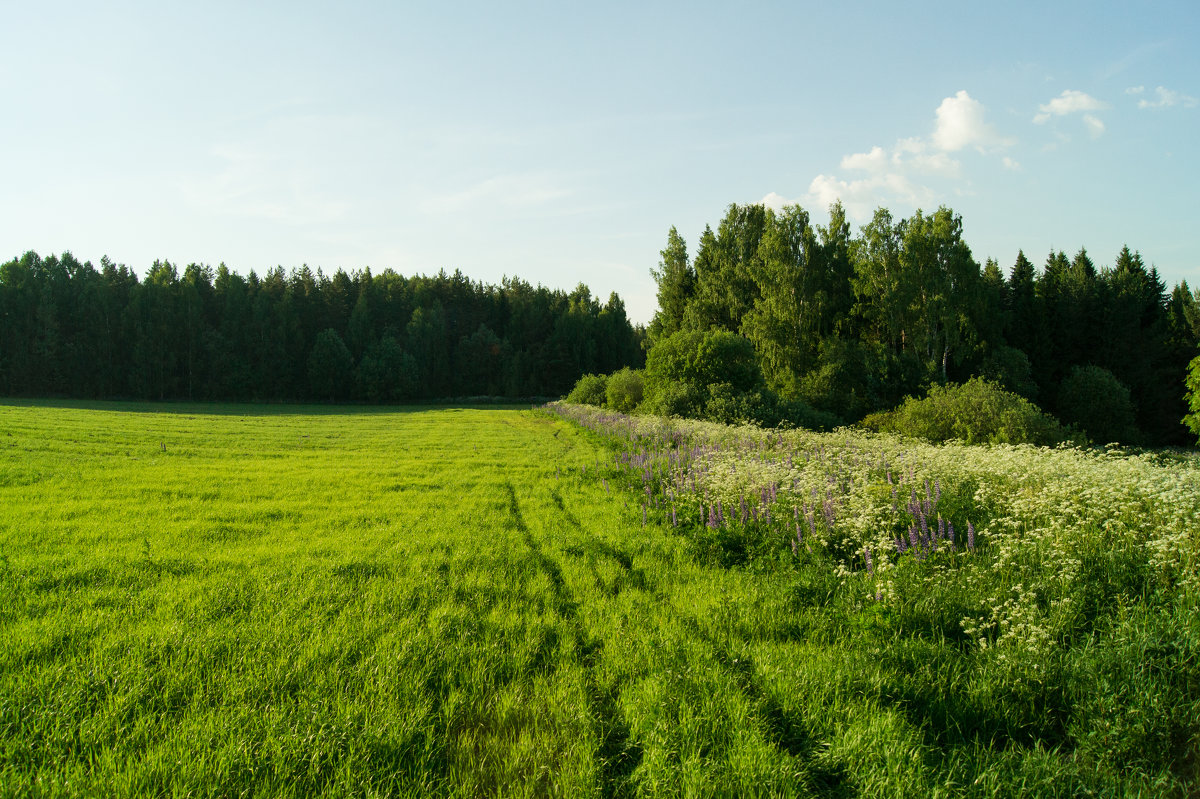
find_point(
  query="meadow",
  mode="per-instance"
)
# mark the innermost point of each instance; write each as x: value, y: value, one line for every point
x: 252, y: 600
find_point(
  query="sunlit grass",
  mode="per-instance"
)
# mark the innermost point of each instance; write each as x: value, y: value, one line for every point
x: 289, y: 601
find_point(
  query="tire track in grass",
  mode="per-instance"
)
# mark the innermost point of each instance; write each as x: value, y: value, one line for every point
x: 619, y: 755
x: 780, y: 728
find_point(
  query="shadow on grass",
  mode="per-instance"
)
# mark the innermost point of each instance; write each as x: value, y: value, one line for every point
x: 268, y: 408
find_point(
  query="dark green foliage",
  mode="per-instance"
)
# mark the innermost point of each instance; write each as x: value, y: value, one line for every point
x: 1098, y: 403
x: 1192, y: 420
x: 623, y: 392
x: 764, y: 408
x: 68, y: 328
x: 590, y: 390
x: 842, y: 382
x: 675, y: 398
x: 702, y: 359
x: 853, y: 325
x: 1136, y: 692
x: 387, y: 373
x: 329, y: 366
x: 676, y: 286
x: 1010, y: 367
x: 976, y: 412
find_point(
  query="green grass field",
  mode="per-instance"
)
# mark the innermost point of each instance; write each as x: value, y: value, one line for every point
x: 249, y: 600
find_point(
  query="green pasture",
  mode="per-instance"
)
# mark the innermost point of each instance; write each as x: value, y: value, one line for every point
x: 292, y: 601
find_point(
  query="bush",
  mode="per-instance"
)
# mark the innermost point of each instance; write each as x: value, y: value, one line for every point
x: 841, y: 381
x: 1010, y: 367
x: 976, y: 412
x: 1099, y: 404
x: 590, y: 390
x: 675, y: 398
x: 1192, y: 420
x: 699, y: 359
x: 624, y: 391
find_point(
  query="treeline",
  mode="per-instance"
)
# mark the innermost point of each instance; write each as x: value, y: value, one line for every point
x: 70, y: 329
x: 854, y: 324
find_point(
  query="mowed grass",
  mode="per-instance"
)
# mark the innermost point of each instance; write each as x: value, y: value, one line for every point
x: 240, y: 600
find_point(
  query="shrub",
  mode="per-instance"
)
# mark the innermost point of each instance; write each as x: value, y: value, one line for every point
x: 624, y: 391
x: 1010, y: 367
x: 675, y: 398
x: 699, y: 359
x: 1192, y: 420
x: 1099, y: 404
x: 976, y: 412
x: 840, y: 383
x: 590, y: 390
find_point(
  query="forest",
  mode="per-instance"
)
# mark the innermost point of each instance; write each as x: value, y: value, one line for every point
x: 850, y: 325
x: 830, y: 327
x: 68, y: 329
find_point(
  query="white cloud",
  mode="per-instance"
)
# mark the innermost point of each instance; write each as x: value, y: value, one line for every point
x: 1135, y: 90
x: 1009, y: 163
x: 774, y: 201
x: 861, y: 197
x: 873, y: 161
x: 1069, y: 102
x: 960, y: 124
x: 901, y: 174
x: 1095, y: 126
x: 927, y: 163
x: 1167, y: 98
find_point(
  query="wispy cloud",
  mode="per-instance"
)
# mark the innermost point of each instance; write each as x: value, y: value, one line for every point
x: 1069, y: 102
x: 253, y: 182
x: 1163, y: 98
x: 507, y: 191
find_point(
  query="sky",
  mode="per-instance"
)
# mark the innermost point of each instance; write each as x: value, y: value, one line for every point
x: 559, y: 142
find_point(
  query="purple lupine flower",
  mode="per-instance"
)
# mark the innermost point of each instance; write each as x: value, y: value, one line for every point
x: 712, y: 517
x: 901, y: 544
x: 867, y: 555
x: 913, y: 538
x: 941, y: 526
x: 745, y: 510
x: 950, y: 535
x: 767, y: 514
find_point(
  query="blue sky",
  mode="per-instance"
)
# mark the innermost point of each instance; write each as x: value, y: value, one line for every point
x: 560, y: 142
